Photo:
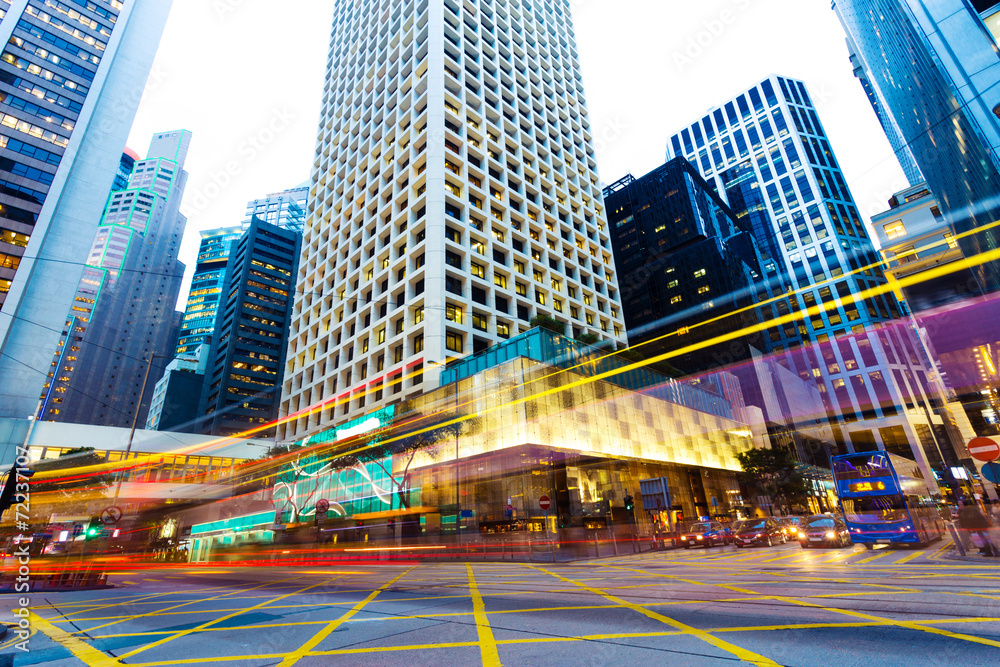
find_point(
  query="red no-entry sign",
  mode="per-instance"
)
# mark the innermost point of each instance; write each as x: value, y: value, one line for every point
x: 984, y: 449
x: 544, y: 502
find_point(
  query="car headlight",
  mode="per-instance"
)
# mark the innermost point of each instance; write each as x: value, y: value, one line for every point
x: 830, y: 535
x: 700, y: 537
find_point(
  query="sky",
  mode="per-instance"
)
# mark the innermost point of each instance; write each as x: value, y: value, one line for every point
x: 247, y: 81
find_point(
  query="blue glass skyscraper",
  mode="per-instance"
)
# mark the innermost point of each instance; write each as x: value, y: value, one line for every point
x: 206, y: 287
x: 934, y: 68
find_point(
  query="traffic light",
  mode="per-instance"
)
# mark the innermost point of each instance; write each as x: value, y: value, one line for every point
x: 93, y: 529
x: 8, y: 495
x: 629, y: 503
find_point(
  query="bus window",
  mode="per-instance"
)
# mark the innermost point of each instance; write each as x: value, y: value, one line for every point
x: 875, y: 509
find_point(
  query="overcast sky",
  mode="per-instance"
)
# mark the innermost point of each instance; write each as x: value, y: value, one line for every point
x: 247, y: 80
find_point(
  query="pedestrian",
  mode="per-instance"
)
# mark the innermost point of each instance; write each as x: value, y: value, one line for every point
x: 975, y: 523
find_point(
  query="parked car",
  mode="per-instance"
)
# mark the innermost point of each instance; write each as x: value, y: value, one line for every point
x: 791, y: 526
x: 706, y: 534
x: 760, y: 532
x: 824, y: 530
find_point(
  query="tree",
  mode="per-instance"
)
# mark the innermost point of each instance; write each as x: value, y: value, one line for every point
x: 588, y: 338
x: 381, y: 448
x: 772, y: 472
x: 548, y: 323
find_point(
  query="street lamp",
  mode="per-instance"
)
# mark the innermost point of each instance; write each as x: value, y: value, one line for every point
x: 135, y: 418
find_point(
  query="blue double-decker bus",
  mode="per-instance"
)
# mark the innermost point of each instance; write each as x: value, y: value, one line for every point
x: 882, y: 507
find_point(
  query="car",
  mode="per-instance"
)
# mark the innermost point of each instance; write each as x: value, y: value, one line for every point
x: 706, y: 534
x: 791, y: 525
x: 824, y: 530
x: 760, y: 532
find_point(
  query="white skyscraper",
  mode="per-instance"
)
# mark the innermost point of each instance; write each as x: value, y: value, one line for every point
x: 454, y: 196
x: 71, y: 77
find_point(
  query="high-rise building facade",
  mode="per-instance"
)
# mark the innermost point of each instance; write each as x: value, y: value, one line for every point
x: 934, y: 67
x: 243, y: 380
x: 687, y: 264
x: 769, y: 157
x: 125, y: 168
x: 198, y: 321
x: 123, y: 314
x: 70, y: 82
x: 454, y: 196
x: 286, y: 209
x: 917, y: 244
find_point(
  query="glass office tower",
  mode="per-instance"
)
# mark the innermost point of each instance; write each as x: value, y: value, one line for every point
x: 934, y: 68
x: 198, y: 322
x: 123, y: 313
x: 69, y: 76
x: 768, y: 156
x: 454, y: 196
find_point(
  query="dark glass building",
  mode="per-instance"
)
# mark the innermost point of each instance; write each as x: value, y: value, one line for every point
x: 243, y: 381
x: 685, y: 260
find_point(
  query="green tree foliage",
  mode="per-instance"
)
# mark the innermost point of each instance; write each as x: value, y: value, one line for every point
x: 548, y: 323
x: 771, y: 472
x: 588, y: 338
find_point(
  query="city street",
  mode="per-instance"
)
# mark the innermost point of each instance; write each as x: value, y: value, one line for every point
x: 781, y: 605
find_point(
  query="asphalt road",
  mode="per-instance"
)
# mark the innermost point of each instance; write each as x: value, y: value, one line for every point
x: 779, y: 605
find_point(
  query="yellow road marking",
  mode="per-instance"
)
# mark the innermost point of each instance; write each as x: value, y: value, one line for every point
x: 184, y: 633
x: 176, y: 606
x: 84, y: 652
x: 298, y: 654
x: 908, y: 558
x: 741, y: 653
x: 884, y: 552
x: 487, y: 643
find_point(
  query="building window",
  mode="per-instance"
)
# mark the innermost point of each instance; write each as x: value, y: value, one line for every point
x: 453, y: 313
x: 381, y: 335
x: 397, y: 354
x: 503, y: 330
x: 557, y: 304
x: 895, y: 230
x: 675, y: 299
x: 480, y: 322
x: 453, y: 341
x: 540, y: 298
x: 418, y: 343
x: 478, y: 270
x: 703, y: 289
x: 418, y: 315
x: 673, y: 284
x: 700, y: 273
x: 521, y: 289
